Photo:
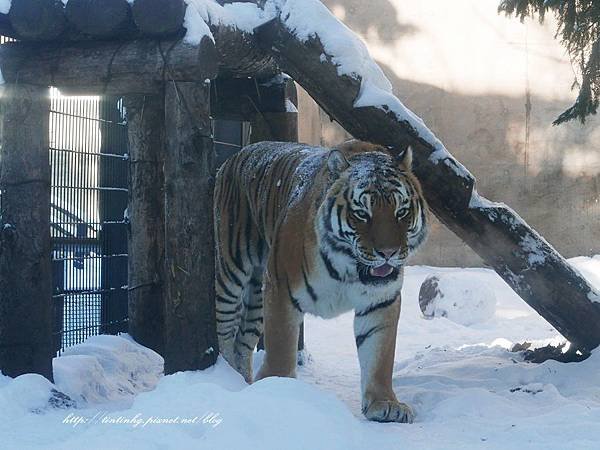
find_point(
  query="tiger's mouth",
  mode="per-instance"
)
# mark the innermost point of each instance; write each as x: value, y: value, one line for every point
x: 377, y: 275
x: 381, y: 271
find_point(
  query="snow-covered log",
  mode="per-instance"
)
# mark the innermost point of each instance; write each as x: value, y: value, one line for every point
x: 158, y: 17
x: 145, y: 208
x: 99, y: 18
x: 26, y: 317
x: 191, y: 335
x: 132, y: 67
x: 37, y: 20
x: 331, y: 63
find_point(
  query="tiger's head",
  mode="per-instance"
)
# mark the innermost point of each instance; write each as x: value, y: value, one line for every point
x: 376, y: 211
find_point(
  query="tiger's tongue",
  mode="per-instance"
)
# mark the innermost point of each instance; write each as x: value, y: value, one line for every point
x: 381, y: 271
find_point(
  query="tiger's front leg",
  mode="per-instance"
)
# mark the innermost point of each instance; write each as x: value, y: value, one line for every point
x: 375, y: 329
x: 281, y: 329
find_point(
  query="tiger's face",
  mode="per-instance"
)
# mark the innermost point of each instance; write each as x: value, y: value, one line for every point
x: 379, y: 213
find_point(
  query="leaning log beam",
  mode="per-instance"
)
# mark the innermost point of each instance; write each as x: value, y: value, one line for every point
x: 530, y: 266
x: 133, y: 67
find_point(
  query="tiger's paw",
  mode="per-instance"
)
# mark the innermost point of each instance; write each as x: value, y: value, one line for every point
x: 388, y: 411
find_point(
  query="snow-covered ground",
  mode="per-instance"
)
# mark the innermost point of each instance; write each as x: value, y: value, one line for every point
x: 467, y: 389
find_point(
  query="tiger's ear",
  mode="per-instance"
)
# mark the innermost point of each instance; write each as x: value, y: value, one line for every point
x: 404, y: 160
x: 337, y: 162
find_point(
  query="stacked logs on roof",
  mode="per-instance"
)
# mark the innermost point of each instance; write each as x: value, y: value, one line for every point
x: 118, y: 47
x: 46, y: 20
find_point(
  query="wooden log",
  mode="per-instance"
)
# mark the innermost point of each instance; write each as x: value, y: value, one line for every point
x: 26, y: 315
x: 239, y: 56
x: 191, y: 337
x: 532, y: 268
x: 132, y: 67
x: 158, y: 17
x: 99, y: 18
x: 37, y: 20
x: 145, y: 123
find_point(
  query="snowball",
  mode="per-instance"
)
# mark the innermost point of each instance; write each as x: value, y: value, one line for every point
x: 27, y: 393
x: 458, y: 297
x: 107, y: 368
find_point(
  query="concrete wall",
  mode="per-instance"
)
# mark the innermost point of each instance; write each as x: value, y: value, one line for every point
x: 489, y: 87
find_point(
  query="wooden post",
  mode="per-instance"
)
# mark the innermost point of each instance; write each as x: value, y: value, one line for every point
x: 25, y: 250
x: 267, y: 125
x: 191, y: 338
x: 145, y: 122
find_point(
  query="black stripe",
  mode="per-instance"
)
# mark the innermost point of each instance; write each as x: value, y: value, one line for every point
x: 253, y: 331
x: 256, y: 319
x: 226, y: 301
x: 338, y: 212
x: 231, y: 311
x: 248, y: 236
x: 226, y: 333
x: 244, y: 345
x: 253, y: 307
x: 226, y: 320
x: 361, y: 337
x: 329, y: 266
x: 232, y: 276
x: 330, y: 204
x: 293, y: 300
x: 309, y: 288
x: 375, y: 307
x: 224, y: 287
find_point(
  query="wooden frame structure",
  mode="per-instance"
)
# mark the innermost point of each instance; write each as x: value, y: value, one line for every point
x: 171, y: 90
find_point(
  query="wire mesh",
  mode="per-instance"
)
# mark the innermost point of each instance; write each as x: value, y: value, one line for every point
x: 88, y: 156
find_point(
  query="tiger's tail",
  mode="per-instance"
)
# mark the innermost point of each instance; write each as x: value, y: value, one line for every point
x: 238, y: 271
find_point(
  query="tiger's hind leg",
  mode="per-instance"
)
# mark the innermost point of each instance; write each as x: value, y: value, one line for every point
x: 229, y: 309
x: 251, y: 325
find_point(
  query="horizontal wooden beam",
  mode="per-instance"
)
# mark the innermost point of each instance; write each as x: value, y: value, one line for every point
x: 132, y: 67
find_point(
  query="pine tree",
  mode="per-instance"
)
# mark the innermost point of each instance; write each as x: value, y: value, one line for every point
x: 579, y: 31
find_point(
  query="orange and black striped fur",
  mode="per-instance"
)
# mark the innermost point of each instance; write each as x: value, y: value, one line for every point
x: 304, y: 229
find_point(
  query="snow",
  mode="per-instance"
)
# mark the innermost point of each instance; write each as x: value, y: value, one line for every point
x: 535, y: 253
x: 200, y: 13
x: 5, y: 6
x: 467, y: 389
x: 461, y: 298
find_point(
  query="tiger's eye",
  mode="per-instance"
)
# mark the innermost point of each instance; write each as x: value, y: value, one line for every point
x: 361, y: 215
x: 401, y: 213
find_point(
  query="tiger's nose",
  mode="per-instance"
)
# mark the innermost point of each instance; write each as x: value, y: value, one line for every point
x: 387, y: 253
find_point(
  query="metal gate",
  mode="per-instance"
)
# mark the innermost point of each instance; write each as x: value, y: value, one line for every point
x: 88, y: 155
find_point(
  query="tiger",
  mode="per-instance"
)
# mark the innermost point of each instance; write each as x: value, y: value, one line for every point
x: 302, y: 229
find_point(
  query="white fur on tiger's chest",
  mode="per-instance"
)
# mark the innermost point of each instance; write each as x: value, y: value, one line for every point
x: 335, y: 297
